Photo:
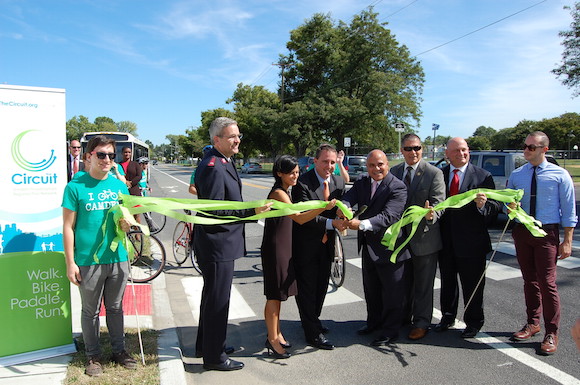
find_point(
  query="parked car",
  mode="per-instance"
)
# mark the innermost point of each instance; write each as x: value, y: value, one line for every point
x: 439, y: 163
x: 251, y: 167
x: 355, y: 165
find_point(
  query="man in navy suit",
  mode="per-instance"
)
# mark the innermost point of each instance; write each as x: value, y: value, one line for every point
x: 218, y: 246
x: 383, y: 281
x: 465, y: 240
x: 313, y: 243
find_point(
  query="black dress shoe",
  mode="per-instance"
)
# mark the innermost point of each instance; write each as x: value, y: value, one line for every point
x: 469, y: 332
x: 383, y: 340
x: 228, y: 365
x: 364, y: 331
x: 228, y: 350
x: 444, y: 325
x: 321, y: 343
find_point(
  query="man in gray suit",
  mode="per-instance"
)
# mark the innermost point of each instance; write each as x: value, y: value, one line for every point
x: 425, y: 188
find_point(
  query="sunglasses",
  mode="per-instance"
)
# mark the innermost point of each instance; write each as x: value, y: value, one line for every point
x: 414, y: 148
x: 532, y: 147
x: 103, y: 155
x: 76, y: 147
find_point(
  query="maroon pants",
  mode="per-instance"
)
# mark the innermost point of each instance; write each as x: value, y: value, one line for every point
x: 537, y: 258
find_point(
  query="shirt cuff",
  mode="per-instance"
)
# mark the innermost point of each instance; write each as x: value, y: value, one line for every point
x: 329, y: 224
x: 366, y: 225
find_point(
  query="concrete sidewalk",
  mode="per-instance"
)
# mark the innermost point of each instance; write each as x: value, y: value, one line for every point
x: 53, y: 370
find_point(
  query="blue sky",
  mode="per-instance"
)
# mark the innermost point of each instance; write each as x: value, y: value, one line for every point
x: 161, y: 63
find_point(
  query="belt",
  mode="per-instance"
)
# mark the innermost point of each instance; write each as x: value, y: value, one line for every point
x: 548, y: 226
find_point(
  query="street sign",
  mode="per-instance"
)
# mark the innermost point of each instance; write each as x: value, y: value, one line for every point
x: 347, y: 142
x: 435, y: 126
x: 400, y: 127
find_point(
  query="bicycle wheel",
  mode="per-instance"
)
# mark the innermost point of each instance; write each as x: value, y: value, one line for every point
x: 338, y: 266
x: 193, y: 256
x: 155, y: 221
x: 149, y: 256
x: 181, y: 242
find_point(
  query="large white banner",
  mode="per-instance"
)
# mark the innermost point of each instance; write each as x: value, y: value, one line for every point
x: 34, y: 291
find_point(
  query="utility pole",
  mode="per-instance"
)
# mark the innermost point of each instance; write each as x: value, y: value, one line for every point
x: 435, y: 128
x: 282, y: 66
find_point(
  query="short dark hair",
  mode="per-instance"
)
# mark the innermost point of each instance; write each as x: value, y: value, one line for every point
x: 99, y: 140
x: 324, y: 147
x: 284, y: 164
x: 126, y: 148
x: 544, y: 140
x: 409, y: 136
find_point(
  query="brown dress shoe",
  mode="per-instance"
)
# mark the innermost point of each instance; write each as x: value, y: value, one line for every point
x: 417, y: 333
x: 93, y: 368
x: 527, y: 332
x: 549, y: 345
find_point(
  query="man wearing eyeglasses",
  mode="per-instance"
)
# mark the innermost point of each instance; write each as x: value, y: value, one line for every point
x: 552, y: 186
x: 425, y: 188
x: 99, y: 272
x: 465, y: 240
x: 218, y: 246
x: 74, y: 164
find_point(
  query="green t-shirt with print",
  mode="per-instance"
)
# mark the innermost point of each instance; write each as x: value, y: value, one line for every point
x: 91, y: 199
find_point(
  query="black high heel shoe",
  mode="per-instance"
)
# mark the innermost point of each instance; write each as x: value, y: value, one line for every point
x: 287, y: 345
x: 274, y: 353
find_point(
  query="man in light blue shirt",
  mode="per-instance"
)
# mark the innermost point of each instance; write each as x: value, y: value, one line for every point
x: 549, y: 197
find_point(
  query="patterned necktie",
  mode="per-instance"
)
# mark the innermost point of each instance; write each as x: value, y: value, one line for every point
x: 533, y: 191
x: 454, y: 189
x: 325, y: 190
x: 374, y: 186
x: 408, y: 176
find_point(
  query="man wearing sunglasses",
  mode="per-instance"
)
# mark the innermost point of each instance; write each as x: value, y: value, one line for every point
x: 552, y: 186
x: 99, y: 272
x: 425, y: 188
x: 74, y: 164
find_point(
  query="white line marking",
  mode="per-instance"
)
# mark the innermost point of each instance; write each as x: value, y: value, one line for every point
x: 355, y: 262
x: 339, y: 296
x: 516, y: 354
x: 171, y: 176
x: 238, y: 307
x: 499, y: 272
x: 569, y: 263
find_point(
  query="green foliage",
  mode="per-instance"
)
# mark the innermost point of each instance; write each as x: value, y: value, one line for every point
x: 558, y: 129
x: 484, y: 131
x: 127, y: 126
x: 77, y: 126
x: 479, y: 143
x: 569, y: 70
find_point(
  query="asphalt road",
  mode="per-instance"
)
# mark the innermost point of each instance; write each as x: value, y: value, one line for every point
x: 490, y: 358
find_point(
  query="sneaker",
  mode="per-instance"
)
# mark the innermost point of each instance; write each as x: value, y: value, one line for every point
x: 93, y: 367
x: 124, y: 359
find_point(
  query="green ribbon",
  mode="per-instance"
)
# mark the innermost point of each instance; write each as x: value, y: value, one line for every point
x: 174, y: 208
x: 414, y: 214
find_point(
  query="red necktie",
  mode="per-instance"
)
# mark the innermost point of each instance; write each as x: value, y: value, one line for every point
x: 75, y: 166
x: 454, y: 189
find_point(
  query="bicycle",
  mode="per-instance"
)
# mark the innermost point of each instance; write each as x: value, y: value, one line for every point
x: 148, y: 259
x: 183, y: 244
x: 155, y: 221
x: 338, y: 265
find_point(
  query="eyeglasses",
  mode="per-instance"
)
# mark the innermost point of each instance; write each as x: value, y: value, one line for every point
x: 103, y: 155
x: 414, y: 148
x: 75, y: 147
x: 532, y: 147
x: 232, y: 137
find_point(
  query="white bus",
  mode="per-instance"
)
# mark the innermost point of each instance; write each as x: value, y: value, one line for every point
x: 122, y: 139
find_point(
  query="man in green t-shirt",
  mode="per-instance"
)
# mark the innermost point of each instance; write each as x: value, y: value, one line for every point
x: 99, y: 272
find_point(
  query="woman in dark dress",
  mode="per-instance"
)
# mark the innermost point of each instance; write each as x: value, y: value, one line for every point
x: 277, y: 266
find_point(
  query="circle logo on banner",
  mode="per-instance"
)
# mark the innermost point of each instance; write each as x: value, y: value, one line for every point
x: 26, y: 164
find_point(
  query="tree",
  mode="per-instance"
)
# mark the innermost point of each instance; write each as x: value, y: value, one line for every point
x: 569, y: 71
x: 104, y: 123
x: 353, y: 80
x: 77, y: 126
x: 484, y: 131
x: 479, y: 143
x: 127, y: 126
